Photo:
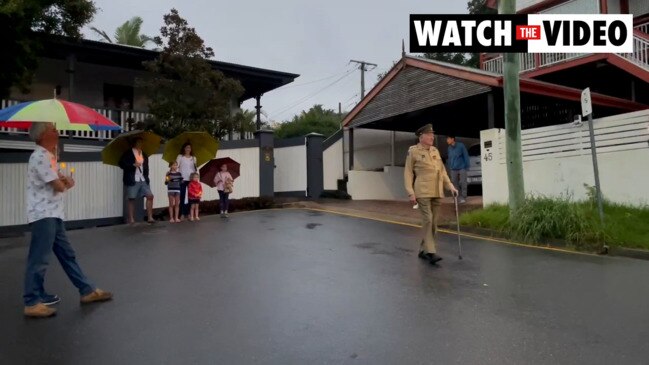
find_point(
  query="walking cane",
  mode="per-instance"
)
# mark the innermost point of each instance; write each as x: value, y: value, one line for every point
x: 457, y: 218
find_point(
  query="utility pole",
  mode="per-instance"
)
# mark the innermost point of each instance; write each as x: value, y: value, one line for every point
x: 362, y: 65
x: 511, y: 86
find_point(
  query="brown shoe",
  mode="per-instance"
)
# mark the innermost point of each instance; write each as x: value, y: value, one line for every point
x: 96, y: 296
x: 39, y: 310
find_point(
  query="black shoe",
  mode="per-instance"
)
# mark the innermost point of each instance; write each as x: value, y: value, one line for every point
x: 433, y: 258
x: 50, y: 299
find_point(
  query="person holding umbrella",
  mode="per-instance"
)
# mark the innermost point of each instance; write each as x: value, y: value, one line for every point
x: 196, y: 148
x: 187, y: 166
x: 135, y: 164
x: 220, y: 173
x: 224, y: 185
x: 46, y: 186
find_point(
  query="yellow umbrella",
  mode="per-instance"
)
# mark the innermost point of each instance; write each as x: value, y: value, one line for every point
x: 204, y: 147
x: 111, y: 154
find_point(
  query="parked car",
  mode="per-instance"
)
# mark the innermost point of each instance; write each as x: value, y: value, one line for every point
x: 474, y: 175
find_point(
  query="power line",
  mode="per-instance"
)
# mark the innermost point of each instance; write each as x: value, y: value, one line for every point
x: 289, y: 86
x: 350, y: 98
x: 354, y: 102
x: 300, y: 101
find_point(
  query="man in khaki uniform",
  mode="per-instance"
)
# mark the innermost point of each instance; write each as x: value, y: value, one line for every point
x: 425, y: 178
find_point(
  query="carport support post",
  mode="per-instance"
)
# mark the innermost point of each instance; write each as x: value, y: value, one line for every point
x: 392, y: 142
x: 351, y: 149
x: 511, y: 87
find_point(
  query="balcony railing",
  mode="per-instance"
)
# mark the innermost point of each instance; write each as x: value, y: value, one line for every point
x: 121, y: 117
x: 127, y: 119
x: 644, y: 28
x: 529, y: 61
x: 640, y: 55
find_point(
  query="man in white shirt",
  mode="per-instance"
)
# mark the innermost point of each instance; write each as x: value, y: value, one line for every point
x: 45, y: 214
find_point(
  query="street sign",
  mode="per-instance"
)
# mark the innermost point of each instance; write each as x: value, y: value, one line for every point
x: 586, y: 103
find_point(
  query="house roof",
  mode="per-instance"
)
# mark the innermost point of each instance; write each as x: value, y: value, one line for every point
x: 477, y: 81
x: 256, y: 81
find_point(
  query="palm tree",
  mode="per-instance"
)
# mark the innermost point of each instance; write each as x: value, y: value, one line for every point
x: 127, y: 33
x: 245, y: 121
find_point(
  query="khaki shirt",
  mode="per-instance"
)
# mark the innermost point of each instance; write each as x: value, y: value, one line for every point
x: 425, y: 175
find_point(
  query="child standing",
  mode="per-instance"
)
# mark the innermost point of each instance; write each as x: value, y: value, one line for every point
x: 224, y: 185
x: 173, y: 180
x: 195, y: 192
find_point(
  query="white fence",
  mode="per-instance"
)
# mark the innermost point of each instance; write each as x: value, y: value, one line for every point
x: 97, y: 194
x: 332, y: 165
x: 99, y: 190
x: 247, y: 185
x: 557, y: 160
x: 377, y: 185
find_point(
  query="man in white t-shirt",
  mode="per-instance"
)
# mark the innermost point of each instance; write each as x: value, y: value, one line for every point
x: 45, y: 214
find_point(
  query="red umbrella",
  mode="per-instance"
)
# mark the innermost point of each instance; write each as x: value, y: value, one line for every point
x: 210, y: 169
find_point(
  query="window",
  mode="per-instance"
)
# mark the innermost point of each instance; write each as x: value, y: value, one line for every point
x: 474, y: 150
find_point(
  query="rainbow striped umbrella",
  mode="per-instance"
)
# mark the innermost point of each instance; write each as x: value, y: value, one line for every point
x: 64, y: 114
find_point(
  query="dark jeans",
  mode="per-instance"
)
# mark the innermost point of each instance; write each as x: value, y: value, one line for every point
x: 48, y: 235
x: 184, y: 208
x: 224, y: 200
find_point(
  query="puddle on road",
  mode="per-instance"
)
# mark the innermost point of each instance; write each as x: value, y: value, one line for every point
x: 313, y: 225
x: 375, y: 249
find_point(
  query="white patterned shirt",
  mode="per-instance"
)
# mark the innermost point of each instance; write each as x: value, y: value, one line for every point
x: 42, y: 200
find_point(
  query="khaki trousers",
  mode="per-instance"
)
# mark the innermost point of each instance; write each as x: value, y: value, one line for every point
x: 429, y: 208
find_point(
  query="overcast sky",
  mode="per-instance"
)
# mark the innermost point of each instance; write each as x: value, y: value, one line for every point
x: 313, y: 39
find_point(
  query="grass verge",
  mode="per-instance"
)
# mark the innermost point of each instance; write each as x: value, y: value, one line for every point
x: 541, y: 220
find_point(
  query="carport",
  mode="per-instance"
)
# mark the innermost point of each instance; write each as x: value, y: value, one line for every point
x: 459, y: 101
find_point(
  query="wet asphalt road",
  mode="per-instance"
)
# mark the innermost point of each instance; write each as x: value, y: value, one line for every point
x: 303, y: 287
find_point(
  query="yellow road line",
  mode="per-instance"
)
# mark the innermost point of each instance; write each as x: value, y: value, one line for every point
x: 484, y: 238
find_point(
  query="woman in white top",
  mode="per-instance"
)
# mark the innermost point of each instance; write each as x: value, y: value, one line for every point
x: 186, y: 166
x: 224, y: 183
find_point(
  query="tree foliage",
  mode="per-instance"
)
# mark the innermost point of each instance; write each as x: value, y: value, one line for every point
x: 244, y: 122
x: 23, y: 26
x: 185, y: 93
x: 315, y: 120
x: 480, y: 7
x: 128, y: 33
x: 462, y: 59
